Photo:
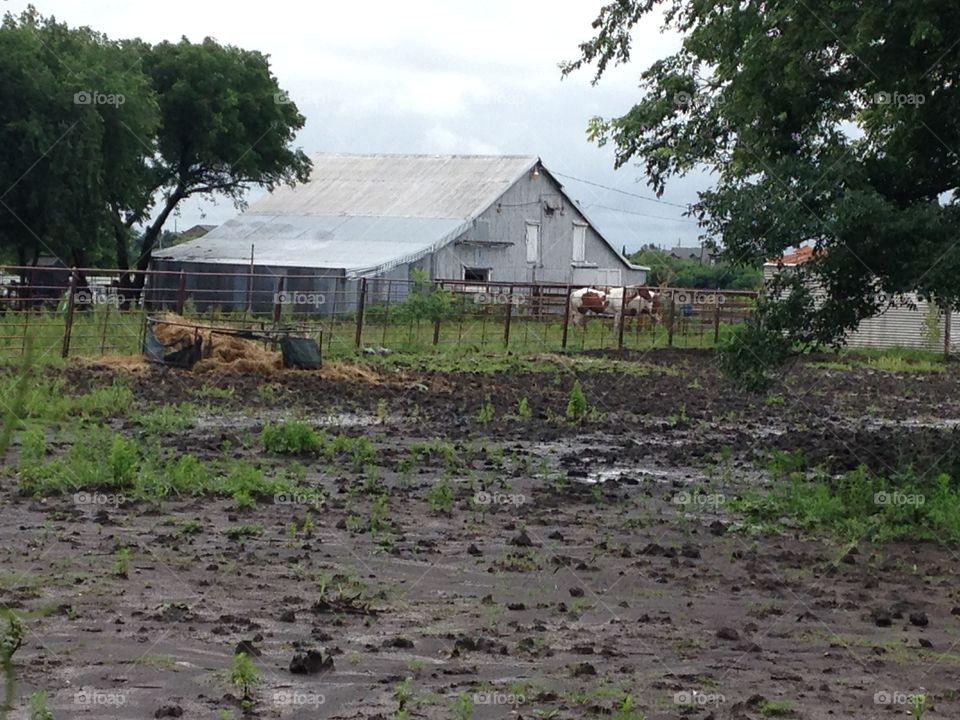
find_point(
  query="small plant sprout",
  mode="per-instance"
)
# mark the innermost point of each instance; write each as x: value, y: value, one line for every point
x: 121, y: 562
x: 523, y: 408
x: 38, y: 706
x: 919, y: 706
x: 485, y: 413
x: 12, y: 637
x: 440, y: 496
x: 243, y: 675
x: 577, y: 404
x: 403, y: 693
x: 463, y: 707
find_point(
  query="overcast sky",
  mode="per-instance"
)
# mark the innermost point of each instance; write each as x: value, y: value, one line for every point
x: 430, y: 76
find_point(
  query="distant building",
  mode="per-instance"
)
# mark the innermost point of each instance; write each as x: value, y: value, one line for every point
x: 698, y: 253
x: 197, y: 231
x: 455, y: 217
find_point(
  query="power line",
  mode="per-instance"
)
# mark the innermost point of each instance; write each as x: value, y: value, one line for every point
x: 622, y: 192
x: 631, y: 212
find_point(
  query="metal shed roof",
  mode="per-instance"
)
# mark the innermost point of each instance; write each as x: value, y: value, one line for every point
x: 363, y: 213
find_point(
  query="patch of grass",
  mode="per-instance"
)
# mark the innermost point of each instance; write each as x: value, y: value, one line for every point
x: 212, y: 392
x: 440, y: 496
x: 242, y: 531
x: 859, y: 504
x: 775, y: 708
x: 291, y: 438
x: 168, y: 419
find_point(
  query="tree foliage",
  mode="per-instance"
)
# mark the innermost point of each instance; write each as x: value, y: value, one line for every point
x: 101, y: 140
x: 825, y: 122
x: 669, y: 271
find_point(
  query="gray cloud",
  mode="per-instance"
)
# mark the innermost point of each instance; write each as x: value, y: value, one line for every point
x: 433, y: 77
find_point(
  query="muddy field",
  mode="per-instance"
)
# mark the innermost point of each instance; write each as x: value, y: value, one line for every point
x: 571, y: 571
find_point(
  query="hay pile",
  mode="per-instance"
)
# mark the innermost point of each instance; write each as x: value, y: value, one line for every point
x: 220, y: 352
x: 130, y: 363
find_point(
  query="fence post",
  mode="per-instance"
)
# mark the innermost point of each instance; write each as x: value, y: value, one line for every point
x: 623, y: 314
x: 716, y: 318
x: 278, y: 300
x: 250, y: 285
x: 182, y: 293
x: 670, y: 319
x: 361, y: 304
x: 946, y: 335
x: 436, y: 326
x: 566, y: 319
x: 68, y: 324
x: 506, y: 320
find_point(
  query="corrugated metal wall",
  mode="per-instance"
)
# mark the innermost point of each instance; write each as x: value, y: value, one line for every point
x: 909, y: 325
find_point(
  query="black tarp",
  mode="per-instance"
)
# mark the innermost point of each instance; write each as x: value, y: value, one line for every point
x: 184, y: 355
x: 301, y: 353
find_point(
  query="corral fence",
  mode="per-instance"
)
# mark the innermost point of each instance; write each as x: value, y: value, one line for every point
x: 92, y: 312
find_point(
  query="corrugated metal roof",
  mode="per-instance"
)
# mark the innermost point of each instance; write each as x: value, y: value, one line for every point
x: 360, y: 245
x: 424, y: 186
x: 363, y: 213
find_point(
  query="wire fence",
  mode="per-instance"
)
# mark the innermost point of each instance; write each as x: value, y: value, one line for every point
x: 75, y: 312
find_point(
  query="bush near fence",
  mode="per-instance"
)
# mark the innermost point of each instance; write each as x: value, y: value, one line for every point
x: 88, y: 313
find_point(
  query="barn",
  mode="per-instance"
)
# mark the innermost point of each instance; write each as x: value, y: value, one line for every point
x: 502, y: 218
x: 910, y: 322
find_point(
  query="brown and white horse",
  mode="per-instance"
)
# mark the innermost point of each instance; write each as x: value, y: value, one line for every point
x: 631, y: 301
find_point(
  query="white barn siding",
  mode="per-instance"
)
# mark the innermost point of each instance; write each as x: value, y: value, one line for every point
x: 497, y: 241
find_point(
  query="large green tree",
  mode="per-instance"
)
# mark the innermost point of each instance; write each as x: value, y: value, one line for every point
x: 827, y: 122
x: 225, y: 126
x: 101, y: 140
x: 59, y: 144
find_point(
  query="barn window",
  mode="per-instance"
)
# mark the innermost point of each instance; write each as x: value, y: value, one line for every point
x: 476, y: 274
x: 579, y: 243
x: 533, y: 242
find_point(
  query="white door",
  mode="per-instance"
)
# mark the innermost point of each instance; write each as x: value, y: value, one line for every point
x: 533, y: 243
x: 579, y: 243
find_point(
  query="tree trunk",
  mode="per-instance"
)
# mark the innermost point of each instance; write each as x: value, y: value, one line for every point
x: 134, y: 285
